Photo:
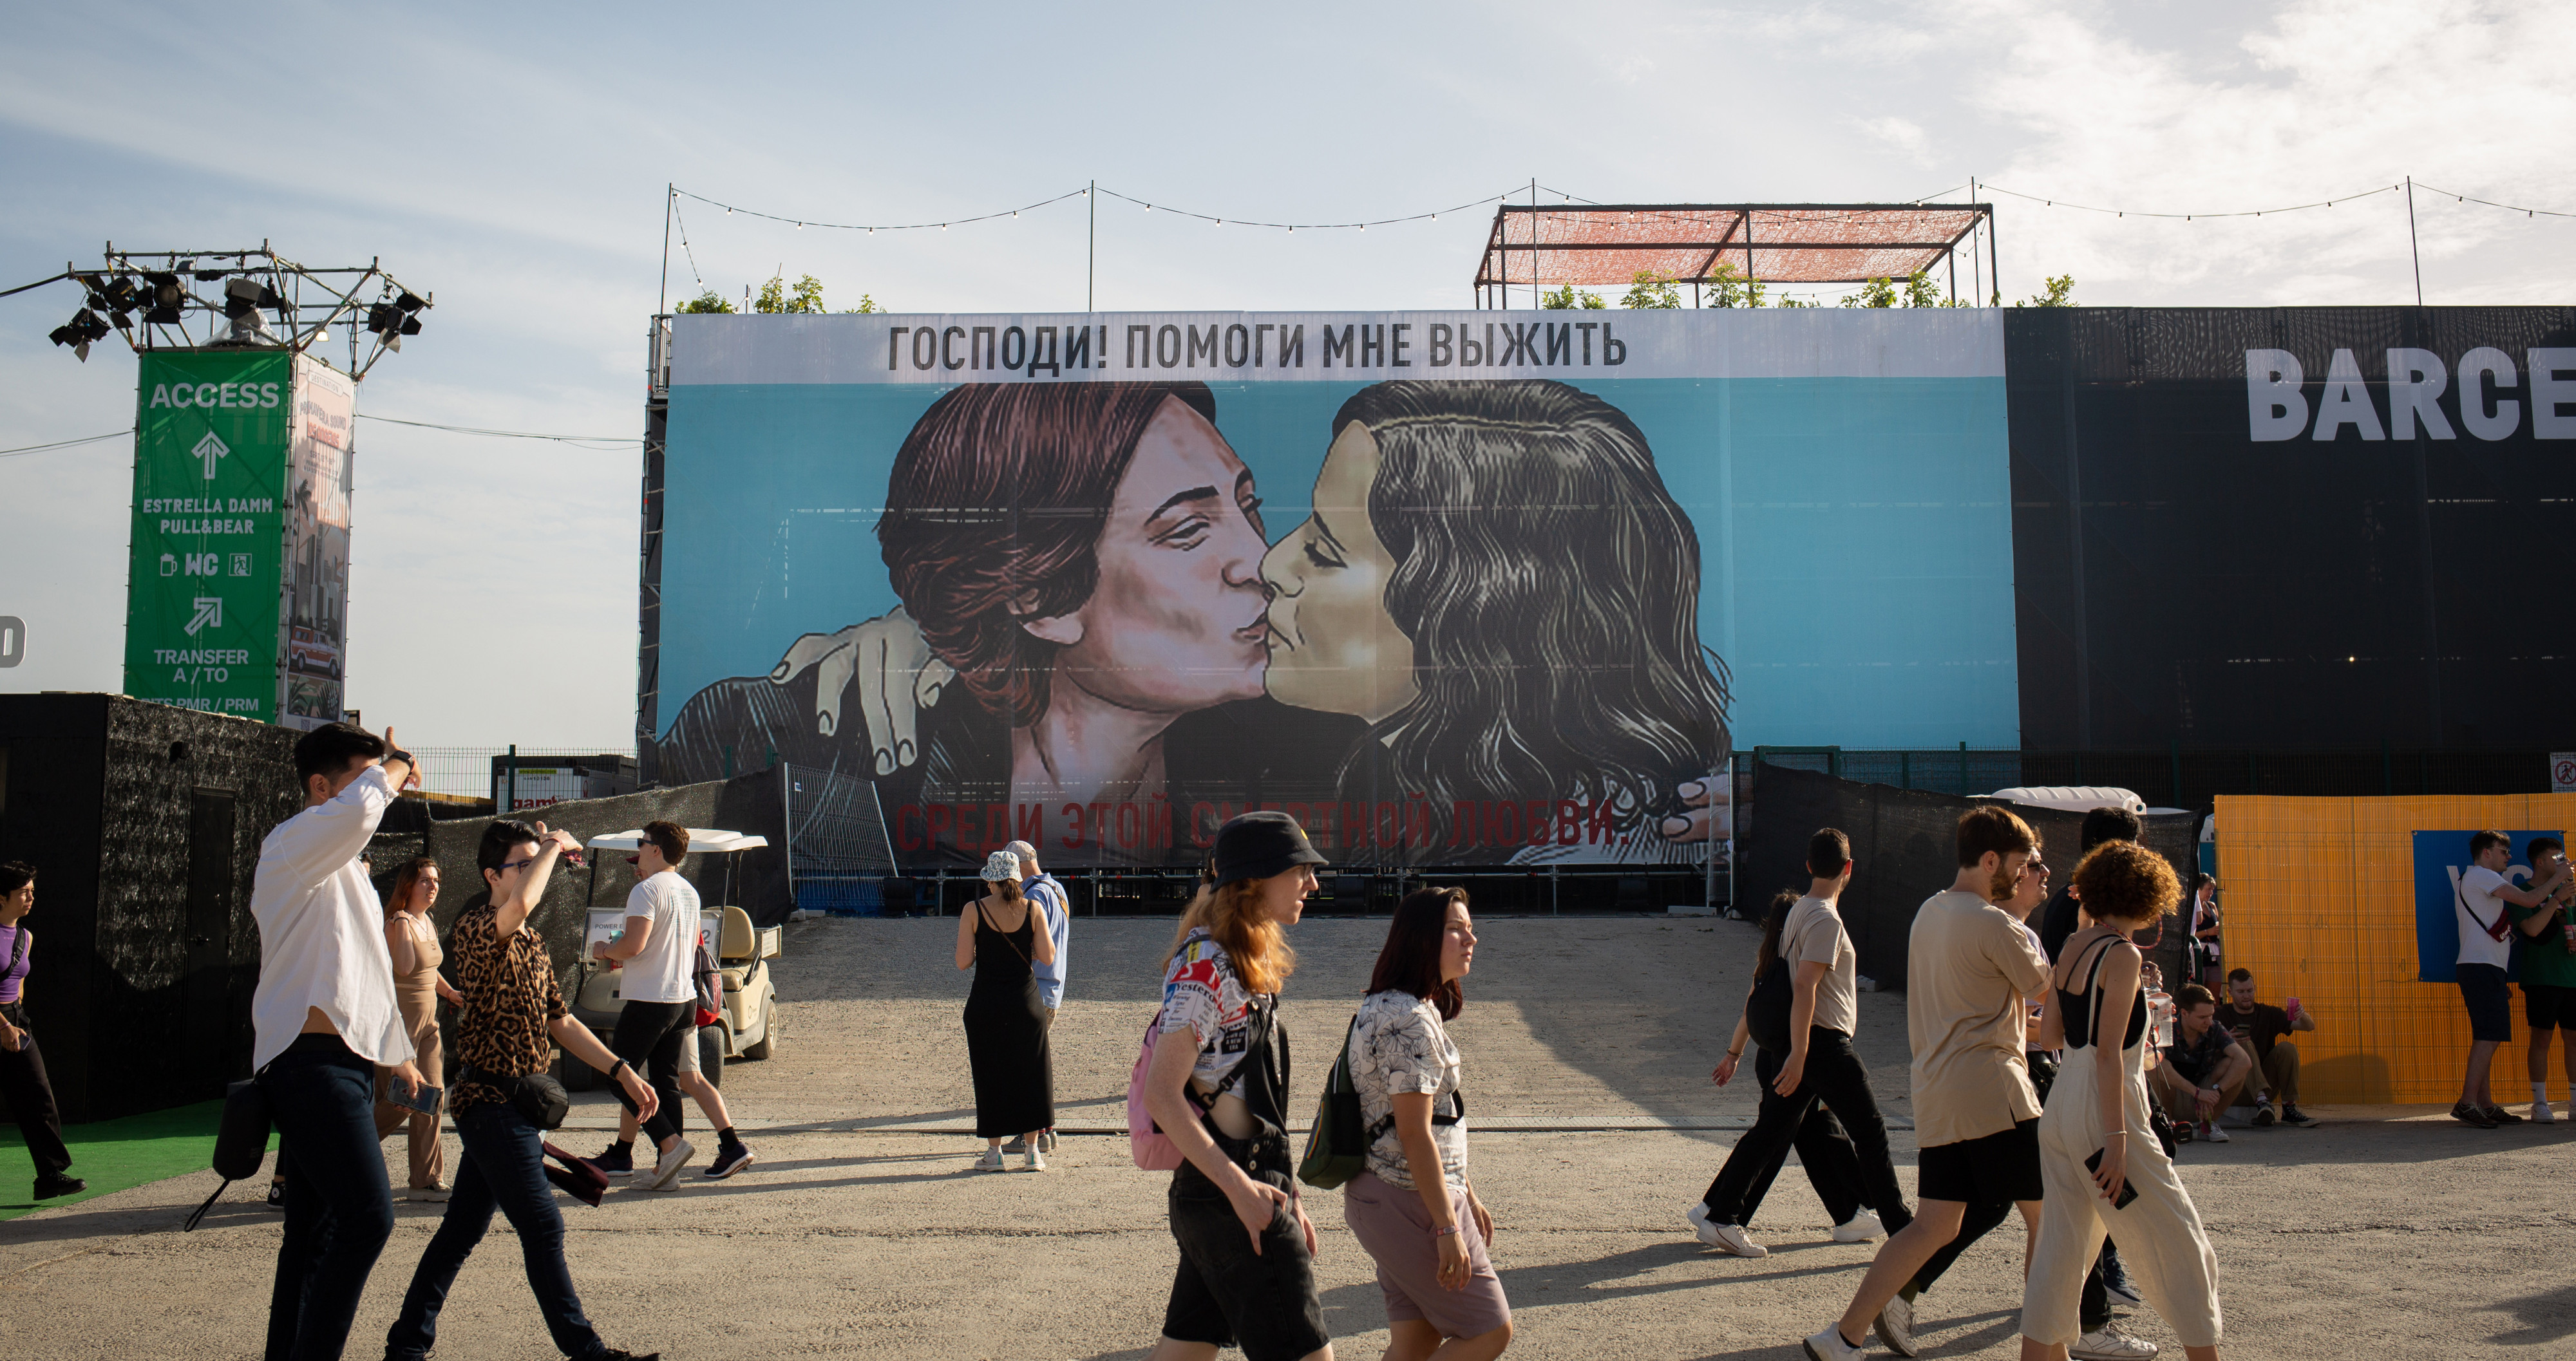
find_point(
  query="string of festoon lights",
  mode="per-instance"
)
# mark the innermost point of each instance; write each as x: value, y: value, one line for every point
x: 871, y: 228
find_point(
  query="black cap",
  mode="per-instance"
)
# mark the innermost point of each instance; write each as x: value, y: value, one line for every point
x: 1258, y: 845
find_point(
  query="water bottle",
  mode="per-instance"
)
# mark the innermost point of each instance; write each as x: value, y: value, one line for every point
x: 2160, y: 1005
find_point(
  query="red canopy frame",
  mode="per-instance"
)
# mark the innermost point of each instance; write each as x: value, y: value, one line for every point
x: 1609, y: 244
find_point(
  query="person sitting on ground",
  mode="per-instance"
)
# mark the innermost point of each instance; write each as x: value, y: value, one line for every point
x: 507, y: 1027
x: 1413, y: 1209
x: 2484, y: 900
x: 2204, y: 1071
x: 2549, y: 972
x: 1817, y: 1071
x: 657, y: 957
x: 1049, y: 892
x: 23, y: 1082
x: 2262, y: 1030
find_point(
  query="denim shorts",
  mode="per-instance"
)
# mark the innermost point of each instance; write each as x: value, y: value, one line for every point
x: 1225, y: 1294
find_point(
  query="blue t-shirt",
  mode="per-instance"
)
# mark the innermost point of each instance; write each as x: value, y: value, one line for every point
x: 1046, y: 889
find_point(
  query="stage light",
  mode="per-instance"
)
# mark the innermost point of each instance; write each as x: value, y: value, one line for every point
x: 411, y: 326
x: 409, y: 303
x: 83, y: 328
x: 207, y: 276
x: 241, y: 296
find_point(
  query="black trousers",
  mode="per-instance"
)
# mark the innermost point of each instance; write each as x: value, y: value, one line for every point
x: 648, y: 1037
x: 30, y: 1095
x: 1835, y: 1079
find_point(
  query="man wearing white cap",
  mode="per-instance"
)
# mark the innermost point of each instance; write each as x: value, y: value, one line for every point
x: 1044, y: 887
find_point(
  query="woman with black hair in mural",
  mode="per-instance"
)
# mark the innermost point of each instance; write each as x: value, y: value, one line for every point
x: 1496, y: 580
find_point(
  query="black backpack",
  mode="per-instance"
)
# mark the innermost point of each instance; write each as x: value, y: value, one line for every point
x: 1766, y: 1010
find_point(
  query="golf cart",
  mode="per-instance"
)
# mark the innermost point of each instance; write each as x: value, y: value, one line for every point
x: 740, y: 950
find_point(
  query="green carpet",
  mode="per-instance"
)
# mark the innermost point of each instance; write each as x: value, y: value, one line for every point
x: 112, y: 1155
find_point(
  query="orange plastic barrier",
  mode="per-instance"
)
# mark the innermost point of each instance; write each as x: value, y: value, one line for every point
x: 2318, y: 898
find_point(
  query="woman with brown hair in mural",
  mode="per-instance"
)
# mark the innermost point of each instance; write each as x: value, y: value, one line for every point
x: 1084, y: 562
x: 1495, y: 579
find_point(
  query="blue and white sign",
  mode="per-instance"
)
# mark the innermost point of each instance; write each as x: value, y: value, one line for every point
x: 2440, y: 859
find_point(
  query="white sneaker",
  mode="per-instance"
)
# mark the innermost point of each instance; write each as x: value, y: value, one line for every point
x: 1860, y: 1228
x: 1729, y: 1238
x: 2210, y: 1133
x: 1896, y: 1325
x: 666, y: 1169
x: 991, y: 1161
x: 1035, y: 1162
x: 2110, y: 1344
x: 1829, y: 1346
x: 2540, y: 1113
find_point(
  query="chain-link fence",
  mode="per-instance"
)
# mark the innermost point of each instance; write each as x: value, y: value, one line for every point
x: 2172, y: 778
x: 838, y: 852
x: 467, y: 771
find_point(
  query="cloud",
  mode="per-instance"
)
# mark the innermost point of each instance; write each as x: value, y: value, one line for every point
x: 1904, y: 136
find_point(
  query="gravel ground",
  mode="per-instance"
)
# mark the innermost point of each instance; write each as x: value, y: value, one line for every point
x: 2384, y: 1232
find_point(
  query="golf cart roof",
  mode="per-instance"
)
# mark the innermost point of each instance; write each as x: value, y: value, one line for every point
x: 705, y: 839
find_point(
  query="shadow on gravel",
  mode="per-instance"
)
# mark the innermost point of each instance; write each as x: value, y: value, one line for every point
x: 2545, y: 1317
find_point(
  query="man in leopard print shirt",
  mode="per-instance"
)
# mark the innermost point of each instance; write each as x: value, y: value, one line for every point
x: 512, y: 1017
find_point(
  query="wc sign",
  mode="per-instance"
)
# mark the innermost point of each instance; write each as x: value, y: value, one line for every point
x: 2440, y: 859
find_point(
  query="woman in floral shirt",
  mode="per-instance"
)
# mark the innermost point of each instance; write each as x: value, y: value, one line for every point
x: 1413, y: 1209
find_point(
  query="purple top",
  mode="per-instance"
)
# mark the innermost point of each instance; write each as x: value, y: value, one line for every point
x: 12, y: 980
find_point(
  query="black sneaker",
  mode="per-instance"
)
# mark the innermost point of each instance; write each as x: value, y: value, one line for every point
x: 730, y: 1159
x: 58, y: 1185
x: 2467, y: 1114
x: 616, y: 1163
x: 277, y: 1195
x: 2292, y: 1115
x: 2498, y: 1115
x: 621, y: 1354
x: 2263, y: 1116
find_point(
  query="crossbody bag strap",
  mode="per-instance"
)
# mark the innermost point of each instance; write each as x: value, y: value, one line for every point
x: 2495, y: 930
x: 17, y: 951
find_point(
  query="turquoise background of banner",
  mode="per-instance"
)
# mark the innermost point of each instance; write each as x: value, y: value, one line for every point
x: 1856, y: 534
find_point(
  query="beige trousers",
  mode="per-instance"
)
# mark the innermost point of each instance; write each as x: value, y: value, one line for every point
x: 428, y: 1160
x: 2161, y: 1241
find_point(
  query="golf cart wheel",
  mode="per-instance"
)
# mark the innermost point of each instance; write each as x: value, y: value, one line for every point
x: 768, y: 1035
x: 710, y: 1041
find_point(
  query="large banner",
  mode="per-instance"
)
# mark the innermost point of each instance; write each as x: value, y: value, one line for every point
x: 317, y: 548
x: 240, y: 573
x: 1451, y: 587
x: 2284, y: 528
x: 210, y: 447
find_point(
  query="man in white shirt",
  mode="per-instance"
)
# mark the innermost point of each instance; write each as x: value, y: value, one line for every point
x: 1047, y: 889
x: 660, y: 997
x: 324, y: 1018
x: 2480, y: 899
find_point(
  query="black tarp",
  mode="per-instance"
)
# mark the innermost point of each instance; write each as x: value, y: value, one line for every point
x: 1902, y: 846
x: 2179, y: 580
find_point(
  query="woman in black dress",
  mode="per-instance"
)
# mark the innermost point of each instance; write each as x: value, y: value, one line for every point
x: 1000, y: 936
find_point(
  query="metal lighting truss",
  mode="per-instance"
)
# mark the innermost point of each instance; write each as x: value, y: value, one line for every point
x: 156, y: 300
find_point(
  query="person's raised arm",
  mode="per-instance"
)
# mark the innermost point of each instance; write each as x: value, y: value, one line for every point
x: 1175, y: 1056
x: 966, y: 919
x: 2305, y: 1020
x: 1802, y: 1018
x: 2534, y: 896
x: 1041, y: 940
x: 317, y: 842
x: 510, y: 913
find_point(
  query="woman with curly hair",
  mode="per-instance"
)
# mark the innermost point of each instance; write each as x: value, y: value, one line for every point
x: 2103, y: 1167
x: 1497, y: 581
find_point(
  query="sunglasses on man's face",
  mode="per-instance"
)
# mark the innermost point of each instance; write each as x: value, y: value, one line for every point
x: 509, y: 865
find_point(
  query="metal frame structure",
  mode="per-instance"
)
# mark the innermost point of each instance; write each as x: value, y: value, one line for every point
x: 1590, y: 231
x: 307, y: 301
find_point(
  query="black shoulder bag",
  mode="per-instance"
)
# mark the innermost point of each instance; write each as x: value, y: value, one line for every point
x: 537, y: 1095
x: 1766, y: 1009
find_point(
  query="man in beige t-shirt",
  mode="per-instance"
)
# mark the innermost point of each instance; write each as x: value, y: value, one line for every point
x: 1969, y: 964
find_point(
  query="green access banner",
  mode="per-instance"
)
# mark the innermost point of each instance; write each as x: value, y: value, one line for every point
x: 210, y: 464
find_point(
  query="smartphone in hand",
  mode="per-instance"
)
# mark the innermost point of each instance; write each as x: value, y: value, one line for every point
x: 423, y: 1099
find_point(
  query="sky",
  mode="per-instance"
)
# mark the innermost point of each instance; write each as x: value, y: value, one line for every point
x: 512, y: 162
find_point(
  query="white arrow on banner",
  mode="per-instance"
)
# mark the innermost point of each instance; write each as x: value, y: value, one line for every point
x: 210, y: 449
x: 210, y: 614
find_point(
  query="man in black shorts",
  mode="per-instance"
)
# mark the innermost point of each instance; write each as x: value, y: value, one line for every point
x: 2548, y: 971
x: 2484, y: 901
x: 1969, y: 966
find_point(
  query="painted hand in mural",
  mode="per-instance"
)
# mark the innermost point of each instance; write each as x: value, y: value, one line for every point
x: 1708, y: 814
x: 885, y: 667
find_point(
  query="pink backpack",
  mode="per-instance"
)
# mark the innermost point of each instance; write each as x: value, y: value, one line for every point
x: 1152, y: 1149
